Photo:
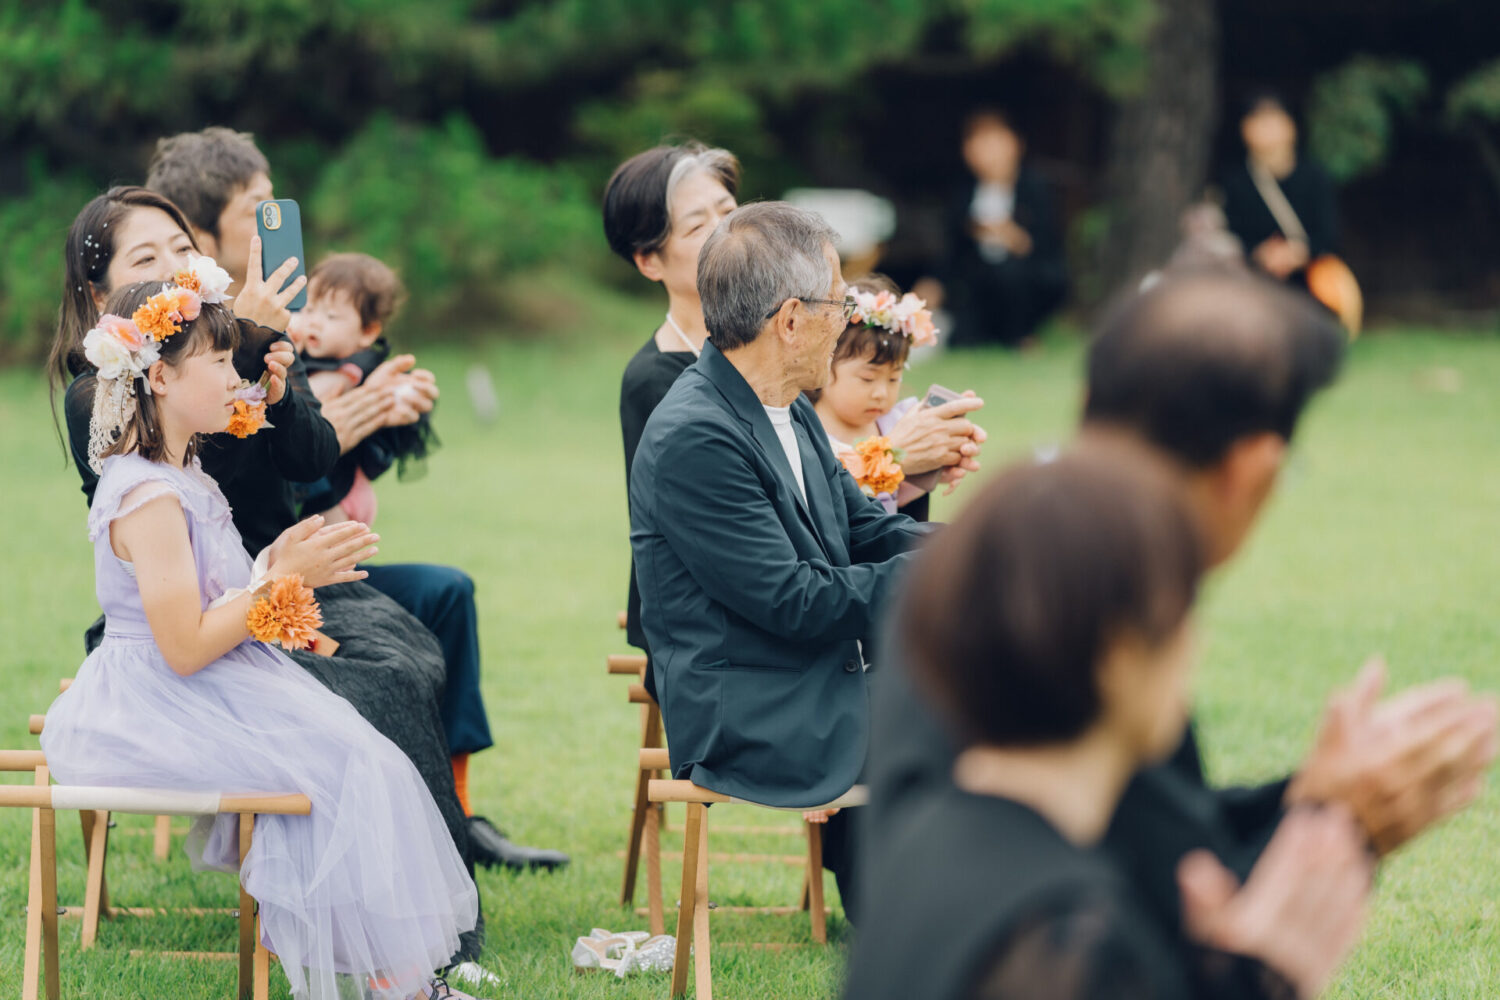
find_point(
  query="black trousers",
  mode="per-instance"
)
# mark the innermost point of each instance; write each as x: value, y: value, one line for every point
x: 839, y: 852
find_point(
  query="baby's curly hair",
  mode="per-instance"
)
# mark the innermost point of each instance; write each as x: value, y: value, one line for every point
x: 371, y: 285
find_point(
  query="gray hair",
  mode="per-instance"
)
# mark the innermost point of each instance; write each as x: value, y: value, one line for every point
x: 758, y: 257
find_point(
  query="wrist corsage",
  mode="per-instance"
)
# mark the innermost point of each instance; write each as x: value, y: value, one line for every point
x: 875, y: 466
x: 249, y: 408
x: 285, y: 614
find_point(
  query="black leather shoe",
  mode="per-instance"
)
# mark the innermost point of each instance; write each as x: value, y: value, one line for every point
x: 491, y: 847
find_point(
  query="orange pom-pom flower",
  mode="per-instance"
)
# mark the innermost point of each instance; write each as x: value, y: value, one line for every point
x: 164, y: 313
x: 875, y: 466
x: 249, y: 414
x: 154, y: 318
x: 288, y: 616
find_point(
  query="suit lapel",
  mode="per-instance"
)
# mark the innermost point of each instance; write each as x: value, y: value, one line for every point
x: 747, y: 406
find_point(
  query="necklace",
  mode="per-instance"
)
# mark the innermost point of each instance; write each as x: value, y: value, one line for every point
x: 697, y: 351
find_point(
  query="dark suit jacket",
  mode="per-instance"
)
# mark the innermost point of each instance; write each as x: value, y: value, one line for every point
x: 753, y: 601
x: 1035, y: 211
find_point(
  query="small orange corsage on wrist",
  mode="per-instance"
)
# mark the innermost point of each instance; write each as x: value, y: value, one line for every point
x: 249, y: 414
x: 286, y: 614
x: 875, y: 466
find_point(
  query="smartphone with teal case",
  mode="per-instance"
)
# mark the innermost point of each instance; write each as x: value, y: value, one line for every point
x: 279, y: 224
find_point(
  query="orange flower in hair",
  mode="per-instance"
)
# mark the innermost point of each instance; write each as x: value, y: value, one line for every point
x: 164, y: 313
x: 155, y: 317
x: 288, y: 616
x: 188, y: 278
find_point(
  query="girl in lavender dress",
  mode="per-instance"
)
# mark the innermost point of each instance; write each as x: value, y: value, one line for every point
x: 859, y: 405
x: 367, y: 891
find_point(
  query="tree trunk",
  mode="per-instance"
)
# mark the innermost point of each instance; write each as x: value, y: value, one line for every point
x: 1160, y: 142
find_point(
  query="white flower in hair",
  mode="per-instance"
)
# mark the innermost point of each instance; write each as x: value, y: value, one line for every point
x: 111, y: 358
x: 204, y: 276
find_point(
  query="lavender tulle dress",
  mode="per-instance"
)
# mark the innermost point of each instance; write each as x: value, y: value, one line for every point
x: 369, y: 884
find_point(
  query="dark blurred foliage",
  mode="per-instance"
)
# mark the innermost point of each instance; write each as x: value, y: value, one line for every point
x: 466, y: 141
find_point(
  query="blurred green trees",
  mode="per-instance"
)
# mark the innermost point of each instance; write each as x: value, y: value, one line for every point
x: 468, y: 140
x: 462, y: 140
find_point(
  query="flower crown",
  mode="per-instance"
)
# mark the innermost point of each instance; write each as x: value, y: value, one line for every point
x: 907, y: 316
x: 117, y: 346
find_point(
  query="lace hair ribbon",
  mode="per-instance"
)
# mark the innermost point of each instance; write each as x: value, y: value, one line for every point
x: 114, y: 406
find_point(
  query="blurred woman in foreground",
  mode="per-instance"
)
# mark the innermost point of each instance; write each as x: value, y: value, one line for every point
x: 1051, y: 626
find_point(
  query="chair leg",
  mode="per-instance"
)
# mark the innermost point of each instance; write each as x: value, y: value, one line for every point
x: 653, y: 741
x: 686, y: 906
x: 638, y: 823
x: 654, y: 909
x: 47, y: 825
x: 248, y: 940
x: 815, y: 883
x: 162, y: 838
x: 262, y: 975
x: 701, y: 964
x: 32, y: 967
x: 650, y: 738
x: 96, y: 891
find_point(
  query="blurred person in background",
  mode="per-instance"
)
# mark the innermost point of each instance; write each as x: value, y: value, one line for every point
x: 1279, y: 202
x: 1003, y: 271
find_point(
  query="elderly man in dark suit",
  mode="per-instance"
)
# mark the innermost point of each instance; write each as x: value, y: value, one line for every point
x: 762, y: 567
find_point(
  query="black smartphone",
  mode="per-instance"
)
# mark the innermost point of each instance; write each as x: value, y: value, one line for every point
x: 279, y: 224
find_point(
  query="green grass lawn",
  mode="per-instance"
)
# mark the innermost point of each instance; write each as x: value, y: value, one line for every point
x: 1381, y: 539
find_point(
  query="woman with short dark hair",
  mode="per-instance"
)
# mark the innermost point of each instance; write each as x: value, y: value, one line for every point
x: 1051, y: 628
x: 659, y: 208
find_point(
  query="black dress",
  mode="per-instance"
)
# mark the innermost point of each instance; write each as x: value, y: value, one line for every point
x: 647, y: 378
x: 972, y: 897
x: 1166, y: 811
x: 388, y: 666
x: 1310, y: 192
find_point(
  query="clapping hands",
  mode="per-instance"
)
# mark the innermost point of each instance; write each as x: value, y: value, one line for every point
x: 1403, y: 764
x: 322, y: 554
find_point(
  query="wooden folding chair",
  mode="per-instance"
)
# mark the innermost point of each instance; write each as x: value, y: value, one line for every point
x: 41, y: 914
x: 96, y: 827
x: 692, y: 912
x: 161, y: 831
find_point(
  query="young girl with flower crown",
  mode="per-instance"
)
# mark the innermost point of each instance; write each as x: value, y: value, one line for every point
x: 859, y: 406
x: 186, y: 691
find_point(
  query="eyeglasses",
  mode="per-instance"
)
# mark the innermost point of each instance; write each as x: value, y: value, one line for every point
x: 847, y: 304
